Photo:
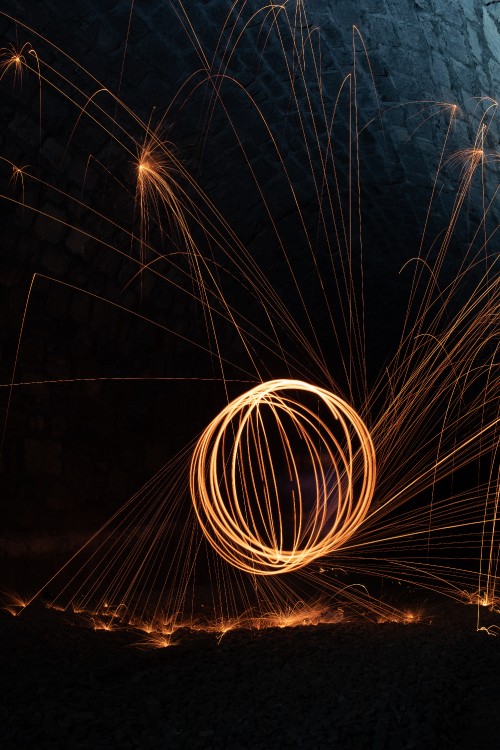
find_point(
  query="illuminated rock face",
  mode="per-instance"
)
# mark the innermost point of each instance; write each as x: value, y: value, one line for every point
x: 418, y: 50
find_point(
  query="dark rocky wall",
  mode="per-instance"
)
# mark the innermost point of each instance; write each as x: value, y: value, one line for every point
x: 73, y: 452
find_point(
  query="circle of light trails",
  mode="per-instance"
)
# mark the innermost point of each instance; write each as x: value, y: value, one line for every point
x: 235, y: 477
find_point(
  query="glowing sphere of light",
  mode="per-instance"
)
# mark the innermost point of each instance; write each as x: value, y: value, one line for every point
x: 256, y: 504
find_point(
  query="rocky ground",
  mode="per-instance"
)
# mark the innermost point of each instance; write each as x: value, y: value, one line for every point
x: 352, y: 685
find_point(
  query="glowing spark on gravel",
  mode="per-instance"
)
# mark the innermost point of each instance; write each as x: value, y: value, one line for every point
x: 13, y: 603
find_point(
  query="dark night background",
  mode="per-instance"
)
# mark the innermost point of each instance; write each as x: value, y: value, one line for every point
x: 73, y: 453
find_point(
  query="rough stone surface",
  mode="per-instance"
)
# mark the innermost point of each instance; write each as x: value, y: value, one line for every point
x: 419, y: 50
x: 350, y: 685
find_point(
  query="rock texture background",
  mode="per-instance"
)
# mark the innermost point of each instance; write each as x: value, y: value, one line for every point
x: 74, y: 452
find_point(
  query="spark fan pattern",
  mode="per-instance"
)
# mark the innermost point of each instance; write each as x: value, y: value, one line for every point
x: 282, y: 481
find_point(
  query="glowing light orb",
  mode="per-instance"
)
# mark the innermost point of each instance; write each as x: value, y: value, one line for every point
x: 282, y: 476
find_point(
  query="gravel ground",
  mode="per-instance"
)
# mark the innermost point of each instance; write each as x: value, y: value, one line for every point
x: 428, y: 685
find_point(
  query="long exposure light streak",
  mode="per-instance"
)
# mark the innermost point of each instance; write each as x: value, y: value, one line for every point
x: 235, y: 484
x: 283, y: 479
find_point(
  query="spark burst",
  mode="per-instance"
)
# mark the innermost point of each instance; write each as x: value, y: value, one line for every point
x: 432, y: 411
